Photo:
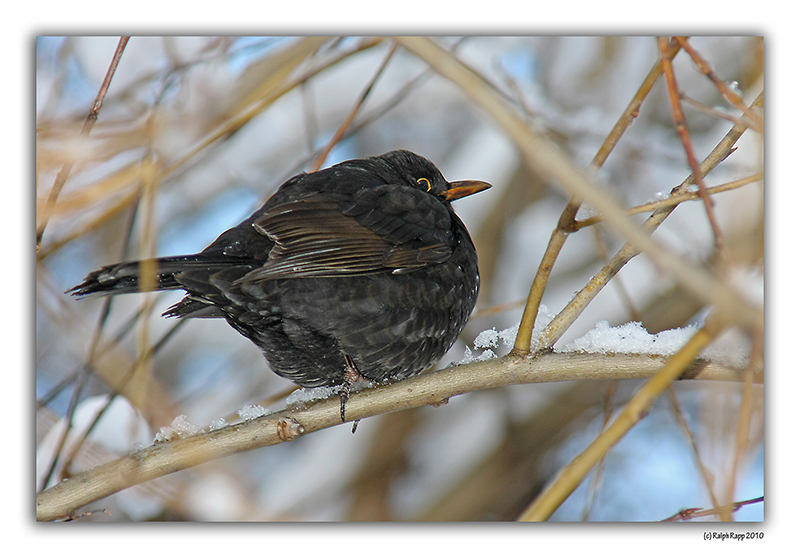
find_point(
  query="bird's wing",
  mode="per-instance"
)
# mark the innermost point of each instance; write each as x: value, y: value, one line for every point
x: 326, y: 236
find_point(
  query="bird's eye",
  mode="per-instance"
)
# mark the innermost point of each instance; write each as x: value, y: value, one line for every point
x: 426, y: 181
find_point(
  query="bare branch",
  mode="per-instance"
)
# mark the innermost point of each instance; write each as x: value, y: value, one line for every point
x: 88, y: 124
x: 637, y: 408
x: 547, y: 159
x: 428, y: 389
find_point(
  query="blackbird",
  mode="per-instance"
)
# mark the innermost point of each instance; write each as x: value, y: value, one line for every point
x: 361, y: 270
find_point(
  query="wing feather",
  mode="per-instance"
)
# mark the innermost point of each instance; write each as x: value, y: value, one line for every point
x: 314, y: 238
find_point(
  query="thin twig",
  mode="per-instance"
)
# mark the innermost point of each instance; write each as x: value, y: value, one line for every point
x: 106, y: 216
x: 566, y: 222
x: 543, y: 156
x: 95, y: 352
x: 675, y: 200
x: 717, y: 113
x: 746, y: 412
x: 683, y: 424
x: 731, y: 96
x: 371, y: 117
x: 632, y: 111
x: 155, y: 349
x: 127, y: 177
x: 627, y: 300
x: 637, y: 408
x: 608, y: 411
x: 82, y: 376
x: 556, y: 328
x: 496, y: 309
x: 692, y: 513
x: 337, y: 136
x: 88, y: 124
x: 679, y: 118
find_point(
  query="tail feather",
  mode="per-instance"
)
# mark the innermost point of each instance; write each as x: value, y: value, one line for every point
x: 123, y: 278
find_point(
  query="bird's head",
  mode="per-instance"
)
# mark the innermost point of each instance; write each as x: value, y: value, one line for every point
x: 405, y: 167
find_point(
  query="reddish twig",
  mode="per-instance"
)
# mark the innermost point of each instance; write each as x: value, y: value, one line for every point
x: 692, y: 513
x: 731, y: 96
x: 88, y: 124
x: 558, y: 325
x: 683, y: 131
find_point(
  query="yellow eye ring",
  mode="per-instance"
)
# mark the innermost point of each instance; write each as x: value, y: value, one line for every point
x: 428, y: 182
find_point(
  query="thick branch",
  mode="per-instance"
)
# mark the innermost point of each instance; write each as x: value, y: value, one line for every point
x: 427, y: 389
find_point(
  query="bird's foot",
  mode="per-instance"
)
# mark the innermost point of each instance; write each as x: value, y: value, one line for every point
x: 351, y: 376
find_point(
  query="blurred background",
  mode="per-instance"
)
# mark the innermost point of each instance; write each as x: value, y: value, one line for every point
x: 216, y: 124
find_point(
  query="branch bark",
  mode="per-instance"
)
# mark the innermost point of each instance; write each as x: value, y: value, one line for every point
x: 436, y: 388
